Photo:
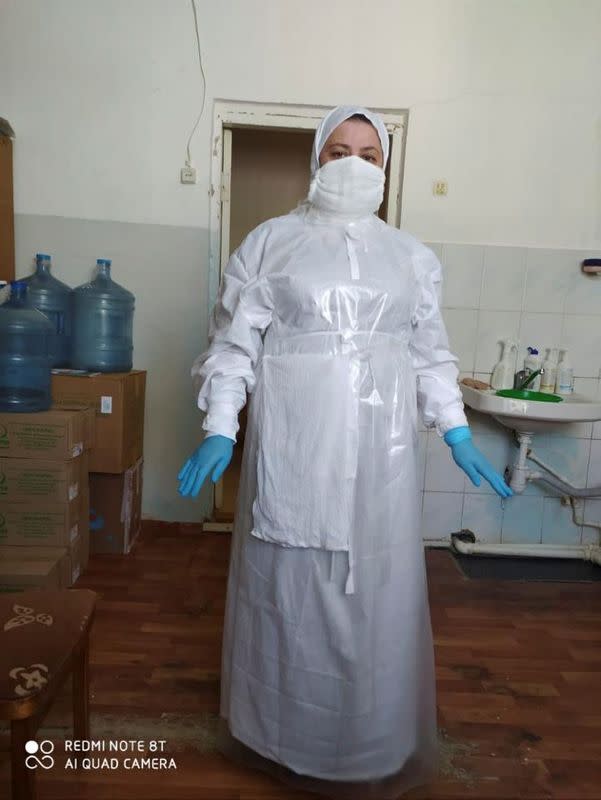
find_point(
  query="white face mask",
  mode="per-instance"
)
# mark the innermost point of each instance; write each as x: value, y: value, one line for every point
x: 348, y: 186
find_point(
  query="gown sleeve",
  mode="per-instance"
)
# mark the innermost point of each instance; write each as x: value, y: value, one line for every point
x: 438, y: 394
x: 226, y: 370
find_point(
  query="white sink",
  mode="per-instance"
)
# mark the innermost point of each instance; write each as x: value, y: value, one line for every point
x: 531, y: 416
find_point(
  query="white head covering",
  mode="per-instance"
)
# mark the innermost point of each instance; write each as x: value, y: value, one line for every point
x: 334, y: 118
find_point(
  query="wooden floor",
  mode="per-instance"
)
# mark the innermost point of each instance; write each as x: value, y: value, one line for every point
x: 518, y: 667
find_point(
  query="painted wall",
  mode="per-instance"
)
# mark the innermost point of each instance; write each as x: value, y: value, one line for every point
x: 504, y: 104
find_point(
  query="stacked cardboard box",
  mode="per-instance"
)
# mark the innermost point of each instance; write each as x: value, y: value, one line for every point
x: 116, y: 458
x: 44, y: 460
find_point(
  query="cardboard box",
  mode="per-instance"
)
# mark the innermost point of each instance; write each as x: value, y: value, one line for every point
x: 118, y: 400
x: 16, y: 576
x: 56, y: 435
x: 89, y: 421
x: 115, y: 510
x: 69, y: 559
x: 36, y: 481
x: 84, y: 528
x: 84, y: 473
x: 75, y: 556
x: 51, y: 525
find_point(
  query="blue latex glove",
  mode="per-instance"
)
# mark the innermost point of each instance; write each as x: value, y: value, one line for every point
x: 472, y: 461
x: 215, y: 453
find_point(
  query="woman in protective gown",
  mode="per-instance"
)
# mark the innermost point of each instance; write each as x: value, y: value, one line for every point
x: 329, y: 319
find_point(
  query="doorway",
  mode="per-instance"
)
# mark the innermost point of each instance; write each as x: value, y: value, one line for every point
x: 260, y: 169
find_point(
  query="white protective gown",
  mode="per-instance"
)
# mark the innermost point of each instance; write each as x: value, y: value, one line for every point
x: 333, y: 328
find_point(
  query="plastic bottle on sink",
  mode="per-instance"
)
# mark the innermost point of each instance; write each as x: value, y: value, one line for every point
x: 547, y: 383
x: 532, y: 362
x: 564, y: 383
x: 502, y: 376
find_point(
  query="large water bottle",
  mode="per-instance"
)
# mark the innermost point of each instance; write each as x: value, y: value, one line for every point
x: 25, y: 335
x: 103, y: 314
x: 53, y: 298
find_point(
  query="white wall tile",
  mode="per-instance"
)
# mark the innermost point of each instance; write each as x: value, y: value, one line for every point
x: 549, y: 274
x: 493, y: 327
x: 483, y: 515
x: 442, y: 474
x: 584, y: 292
x: 558, y: 526
x: 441, y: 514
x: 567, y: 456
x: 592, y: 513
x: 594, y: 466
x: 503, y: 278
x: 577, y: 430
x: 462, y: 275
x: 582, y: 336
x: 538, y: 330
x: 587, y: 386
x: 461, y: 325
x: 522, y: 520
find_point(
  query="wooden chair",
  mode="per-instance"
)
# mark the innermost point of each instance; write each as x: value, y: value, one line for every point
x: 44, y: 636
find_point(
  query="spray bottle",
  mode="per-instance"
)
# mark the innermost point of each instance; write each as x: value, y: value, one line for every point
x: 502, y: 375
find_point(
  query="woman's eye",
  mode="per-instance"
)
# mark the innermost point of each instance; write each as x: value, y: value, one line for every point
x: 369, y: 158
x: 338, y: 154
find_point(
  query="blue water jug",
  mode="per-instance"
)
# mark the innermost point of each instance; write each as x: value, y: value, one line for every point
x: 53, y: 298
x: 103, y: 314
x: 25, y: 336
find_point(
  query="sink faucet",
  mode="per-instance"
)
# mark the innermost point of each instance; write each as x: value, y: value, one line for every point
x: 530, y: 378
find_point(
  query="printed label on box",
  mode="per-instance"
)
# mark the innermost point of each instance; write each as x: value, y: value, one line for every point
x: 77, y: 449
x: 39, y: 437
x: 32, y: 525
x: 106, y: 404
x: 32, y: 482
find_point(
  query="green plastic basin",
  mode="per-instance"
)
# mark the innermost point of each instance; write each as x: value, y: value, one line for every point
x: 525, y: 394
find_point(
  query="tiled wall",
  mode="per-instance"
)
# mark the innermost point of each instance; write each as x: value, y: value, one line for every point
x: 540, y: 298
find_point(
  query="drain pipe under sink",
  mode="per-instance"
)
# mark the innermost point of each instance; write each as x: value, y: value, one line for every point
x: 464, y: 542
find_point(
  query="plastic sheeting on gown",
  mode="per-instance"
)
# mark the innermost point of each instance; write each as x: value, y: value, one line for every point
x: 327, y: 668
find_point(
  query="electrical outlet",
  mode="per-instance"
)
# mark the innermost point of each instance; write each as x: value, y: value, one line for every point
x: 187, y: 174
x: 440, y: 188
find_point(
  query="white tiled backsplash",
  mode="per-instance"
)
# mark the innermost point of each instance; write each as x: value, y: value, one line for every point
x: 540, y: 298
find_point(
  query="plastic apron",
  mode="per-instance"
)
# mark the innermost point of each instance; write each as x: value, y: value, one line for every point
x: 327, y: 668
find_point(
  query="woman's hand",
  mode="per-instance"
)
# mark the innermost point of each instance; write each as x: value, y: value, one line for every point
x: 215, y: 453
x: 472, y: 461
x: 474, y: 464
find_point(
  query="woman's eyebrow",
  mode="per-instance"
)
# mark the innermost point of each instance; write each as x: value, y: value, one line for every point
x: 369, y: 147
x: 339, y: 144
